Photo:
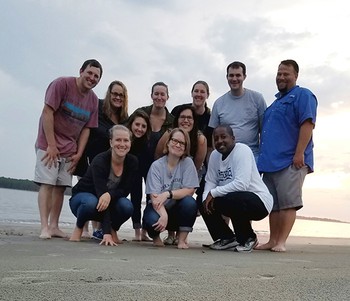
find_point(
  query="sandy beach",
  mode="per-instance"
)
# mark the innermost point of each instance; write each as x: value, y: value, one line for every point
x: 56, y: 269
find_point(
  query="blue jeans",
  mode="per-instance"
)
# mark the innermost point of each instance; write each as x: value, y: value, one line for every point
x: 83, y: 206
x: 181, y: 216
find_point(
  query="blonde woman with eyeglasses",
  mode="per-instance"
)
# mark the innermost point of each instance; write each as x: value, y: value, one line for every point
x: 187, y: 120
x: 171, y: 182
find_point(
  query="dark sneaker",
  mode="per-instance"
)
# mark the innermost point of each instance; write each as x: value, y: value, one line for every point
x: 224, y: 244
x: 208, y: 245
x: 97, y: 234
x: 249, y: 245
x: 170, y: 240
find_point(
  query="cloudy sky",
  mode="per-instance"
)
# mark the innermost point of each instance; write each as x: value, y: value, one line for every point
x: 179, y: 42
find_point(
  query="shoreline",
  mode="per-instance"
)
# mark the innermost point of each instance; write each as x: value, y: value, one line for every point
x: 199, y: 236
x: 57, y: 269
x: 298, y: 217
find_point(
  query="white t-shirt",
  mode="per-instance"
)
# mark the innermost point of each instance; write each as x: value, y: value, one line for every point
x: 238, y: 172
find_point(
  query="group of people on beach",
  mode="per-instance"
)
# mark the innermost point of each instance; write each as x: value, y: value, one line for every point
x: 239, y: 162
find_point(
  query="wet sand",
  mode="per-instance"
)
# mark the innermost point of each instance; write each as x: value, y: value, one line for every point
x: 56, y: 269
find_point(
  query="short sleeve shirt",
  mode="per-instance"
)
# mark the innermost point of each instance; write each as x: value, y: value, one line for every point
x: 72, y: 112
x: 159, y: 179
x: 281, y: 126
x: 243, y: 113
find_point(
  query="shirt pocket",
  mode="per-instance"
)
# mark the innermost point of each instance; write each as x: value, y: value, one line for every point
x: 285, y: 106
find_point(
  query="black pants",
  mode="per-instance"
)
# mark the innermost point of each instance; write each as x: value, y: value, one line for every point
x: 216, y: 225
x: 136, y: 199
x: 241, y: 207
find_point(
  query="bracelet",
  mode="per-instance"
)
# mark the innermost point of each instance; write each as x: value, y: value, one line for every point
x: 170, y: 194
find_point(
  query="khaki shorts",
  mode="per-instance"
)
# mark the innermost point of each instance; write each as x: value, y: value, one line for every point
x: 57, y: 176
x: 286, y: 187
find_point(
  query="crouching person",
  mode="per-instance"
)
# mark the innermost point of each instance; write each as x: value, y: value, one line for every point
x: 101, y: 193
x: 235, y: 189
x: 171, y: 182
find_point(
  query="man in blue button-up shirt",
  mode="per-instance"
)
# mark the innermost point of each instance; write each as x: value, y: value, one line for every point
x: 286, y: 151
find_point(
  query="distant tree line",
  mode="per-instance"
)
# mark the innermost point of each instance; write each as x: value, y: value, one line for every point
x: 21, y: 184
x: 18, y: 184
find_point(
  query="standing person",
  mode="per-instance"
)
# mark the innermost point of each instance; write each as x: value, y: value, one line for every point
x: 160, y: 120
x: 140, y: 127
x: 286, y: 151
x: 113, y: 109
x: 241, y: 108
x: 200, y: 94
x: 159, y: 117
x: 101, y: 193
x: 187, y: 120
x: 171, y: 182
x: 235, y: 189
x: 69, y: 112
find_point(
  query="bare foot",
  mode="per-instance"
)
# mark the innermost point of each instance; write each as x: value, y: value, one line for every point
x: 279, y: 248
x: 157, y: 242
x: 115, y: 237
x: 137, y: 235
x: 86, y: 234
x: 55, y: 232
x: 182, y: 245
x: 267, y: 246
x: 45, y: 234
x: 176, y: 241
x: 144, y: 236
x: 76, y: 235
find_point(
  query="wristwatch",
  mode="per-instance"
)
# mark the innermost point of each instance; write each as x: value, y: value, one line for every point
x: 170, y: 194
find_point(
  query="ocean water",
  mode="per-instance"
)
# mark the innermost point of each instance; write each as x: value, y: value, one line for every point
x: 21, y: 207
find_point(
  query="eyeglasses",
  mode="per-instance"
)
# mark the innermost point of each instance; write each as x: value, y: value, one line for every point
x: 115, y: 94
x: 188, y: 117
x: 176, y: 142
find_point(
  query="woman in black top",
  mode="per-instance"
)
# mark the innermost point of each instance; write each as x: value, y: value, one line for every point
x: 101, y: 193
x: 140, y: 126
x: 113, y: 109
